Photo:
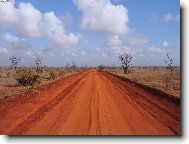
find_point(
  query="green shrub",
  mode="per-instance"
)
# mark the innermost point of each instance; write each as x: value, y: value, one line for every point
x: 28, y: 78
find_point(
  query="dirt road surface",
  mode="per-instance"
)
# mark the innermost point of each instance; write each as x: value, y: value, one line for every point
x: 89, y: 103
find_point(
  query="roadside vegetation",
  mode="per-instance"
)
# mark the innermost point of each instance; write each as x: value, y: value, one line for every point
x: 126, y: 62
x: 159, y: 79
x: 18, y: 79
x: 166, y: 78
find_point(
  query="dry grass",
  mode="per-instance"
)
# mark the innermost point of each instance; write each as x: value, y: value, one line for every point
x: 158, y: 78
x: 9, y: 85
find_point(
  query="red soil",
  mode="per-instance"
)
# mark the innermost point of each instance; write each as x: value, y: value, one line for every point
x: 89, y: 103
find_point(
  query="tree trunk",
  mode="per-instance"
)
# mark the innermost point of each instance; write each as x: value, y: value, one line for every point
x: 125, y: 70
x: 171, y: 73
x: 37, y: 70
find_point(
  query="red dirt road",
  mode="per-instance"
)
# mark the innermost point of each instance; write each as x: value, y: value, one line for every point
x: 89, y: 103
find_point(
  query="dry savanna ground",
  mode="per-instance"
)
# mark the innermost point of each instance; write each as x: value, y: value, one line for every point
x: 155, y: 77
x: 9, y: 85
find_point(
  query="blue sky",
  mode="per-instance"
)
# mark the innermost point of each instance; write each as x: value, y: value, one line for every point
x: 90, y: 32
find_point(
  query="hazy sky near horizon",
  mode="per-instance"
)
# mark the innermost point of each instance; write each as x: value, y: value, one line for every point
x: 90, y: 32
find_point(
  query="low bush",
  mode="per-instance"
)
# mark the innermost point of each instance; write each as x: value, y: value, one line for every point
x: 27, y: 78
x: 101, y: 67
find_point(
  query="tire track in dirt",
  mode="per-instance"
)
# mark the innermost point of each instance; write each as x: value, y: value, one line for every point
x: 147, y: 99
x: 22, y: 127
x: 95, y: 103
x: 18, y: 112
x: 166, y: 113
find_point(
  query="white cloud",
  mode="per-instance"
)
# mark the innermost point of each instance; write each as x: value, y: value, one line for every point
x: 103, y: 17
x: 167, y: 17
x: 53, y: 28
x: 156, y: 50
x: 3, y: 50
x: 117, y: 51
x: 25, y: 19
x: 67, y: 18
x: 135, y: 40
x: 29, y: 21
x: 165, y: 44
x: 112, y: 41
x: 161, y: 49
x: 171, y: 17
x: 14, y: 42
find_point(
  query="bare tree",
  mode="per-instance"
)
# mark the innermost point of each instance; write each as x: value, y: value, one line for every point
x: 73, y: 65
x: 14, y: 61
x: 38, y: 62
x: 126, y: 61
x: 170, y: 63
x: 67, y: 65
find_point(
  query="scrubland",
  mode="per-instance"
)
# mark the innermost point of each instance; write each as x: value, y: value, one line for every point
x: 155, y: 77
x: 10, y: 85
